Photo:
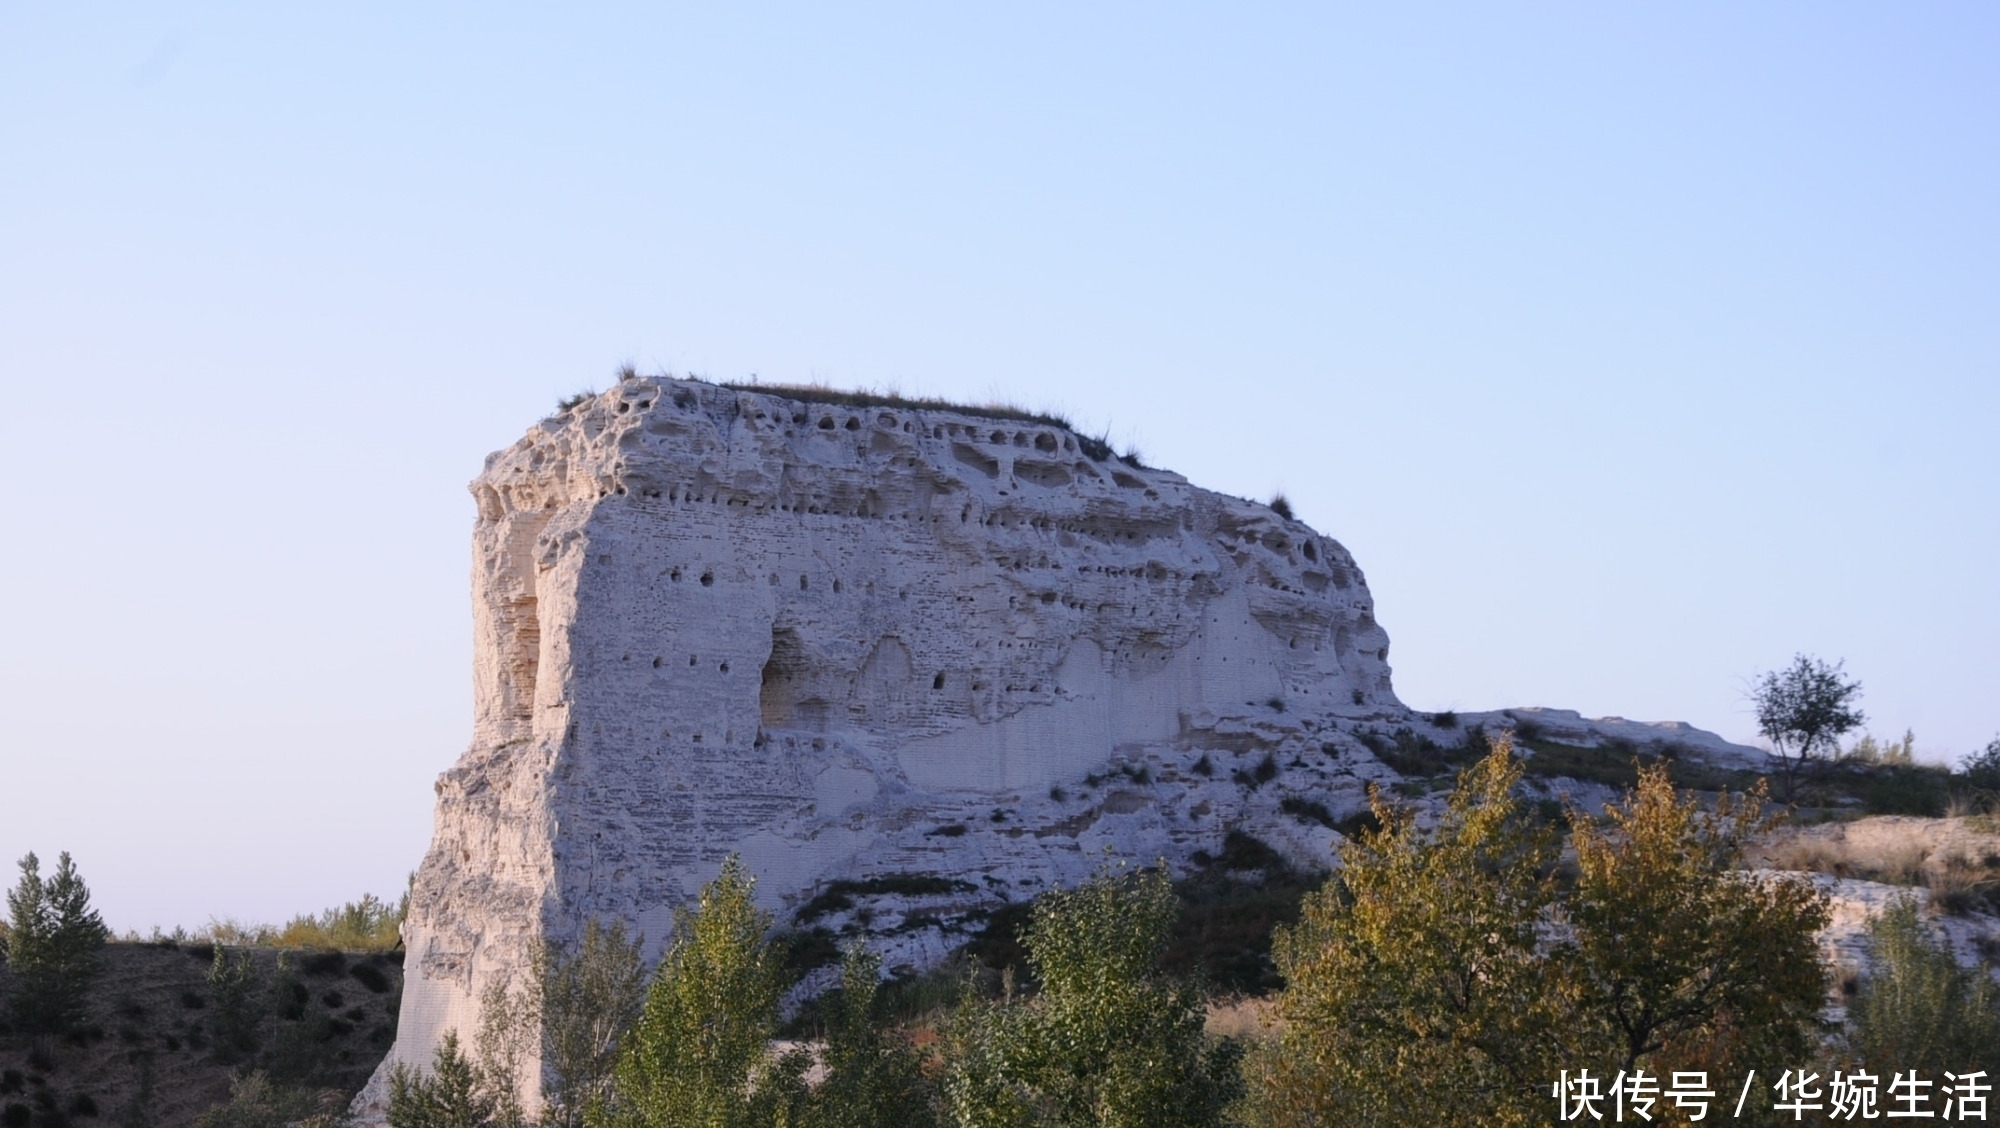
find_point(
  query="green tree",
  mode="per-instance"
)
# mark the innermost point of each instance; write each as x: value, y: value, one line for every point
x: 1803, y: 710
x: 454, y: 1094
x: 1418, y: 990
x: 1982, y: 768
x: 873, y: 1077
x: 55, y: 944
x: 1687, y: 959
x: 590, y: 999
x: 1443, y: 976
x: 1109, y: 1041
x: 698, y: 1057
x: 1918, y: 1008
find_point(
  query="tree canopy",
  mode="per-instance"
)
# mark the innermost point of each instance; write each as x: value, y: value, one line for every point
x: 54, y: 945
x: 1445, y: 976
x: 1804, y: 709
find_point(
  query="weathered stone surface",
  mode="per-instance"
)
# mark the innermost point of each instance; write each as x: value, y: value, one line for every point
x: 859, y: 642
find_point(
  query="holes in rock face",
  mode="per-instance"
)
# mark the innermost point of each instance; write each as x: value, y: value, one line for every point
x: 1045, y: 442
x: 783, y: 681
x: 853, y: 424
x: 802, y: 583
x: 675, y: 575
x: 977, y: 459
x: 708, y: 579
x: 725, y: 667
x: 938, y: 682
x: 999, y: 438
x: 1048, y: 475
x: 836, y: 587
x: 657, y: 662
x: 691, y: 659
x: 826, y: 423
x: 1312, y: 553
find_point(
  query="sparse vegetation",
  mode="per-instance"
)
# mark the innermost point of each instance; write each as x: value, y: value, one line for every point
x: 820, y: 393
x: 1282, y: 505
x: 1918, y: 1008
x: 1307, y: 810
x: 838, y: 896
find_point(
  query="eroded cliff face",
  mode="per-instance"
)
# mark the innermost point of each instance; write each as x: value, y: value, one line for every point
x: 851, y: 642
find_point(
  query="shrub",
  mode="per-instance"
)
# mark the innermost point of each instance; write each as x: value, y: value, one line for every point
x: 370, y: 976
x: 1425, y: 984
x: 237, y: 988
x: 1983, y: 769
x: 1917, y: 1008
x: 1307, y: 810
x: 1282, y: 505
x: 1108, y: 1040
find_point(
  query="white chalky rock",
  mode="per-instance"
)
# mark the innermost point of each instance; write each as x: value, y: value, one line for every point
x: 951, y: 652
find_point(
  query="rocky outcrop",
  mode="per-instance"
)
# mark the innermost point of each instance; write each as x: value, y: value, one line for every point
x: 946, y: 658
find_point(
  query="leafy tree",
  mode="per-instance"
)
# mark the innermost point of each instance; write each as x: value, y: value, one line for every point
x: 1803, y: 710
x: 1919, y: 1008
x: 589, y: 1000
x: 1444, y: 977
x: 1109, y: 1042
x: 1418, y: 992
x: 698, y: 1058
x: 873, y: 1076
x: 1680, y: 953
x: 55, y: 942
x: 453, y: 1095
x: 565, y: 1020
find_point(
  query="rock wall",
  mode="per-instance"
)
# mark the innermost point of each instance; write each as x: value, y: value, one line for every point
x: 852, y: 642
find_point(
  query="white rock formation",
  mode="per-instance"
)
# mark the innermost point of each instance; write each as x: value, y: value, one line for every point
x: 853, y: 642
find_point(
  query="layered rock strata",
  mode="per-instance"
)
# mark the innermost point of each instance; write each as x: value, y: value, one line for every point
x: 938, y: 656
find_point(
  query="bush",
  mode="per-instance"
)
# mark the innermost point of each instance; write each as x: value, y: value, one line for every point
x: 1108, y: 1041
x: 1918, y: 1008
x: 1426, y: 985
x: 254, y: 1102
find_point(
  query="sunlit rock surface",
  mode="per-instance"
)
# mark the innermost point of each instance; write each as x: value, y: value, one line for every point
x: 851, y: 643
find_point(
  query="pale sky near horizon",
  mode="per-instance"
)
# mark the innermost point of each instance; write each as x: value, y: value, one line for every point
x: 1631, y: 349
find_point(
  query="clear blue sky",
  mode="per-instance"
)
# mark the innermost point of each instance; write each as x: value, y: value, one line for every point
x: 1631, y: 348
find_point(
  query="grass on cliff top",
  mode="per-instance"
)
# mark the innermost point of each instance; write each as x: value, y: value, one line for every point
x: 820, y: 393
